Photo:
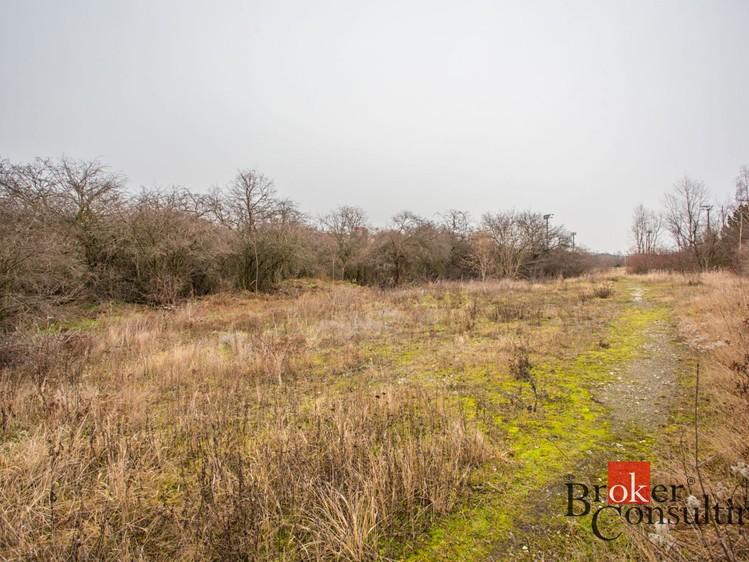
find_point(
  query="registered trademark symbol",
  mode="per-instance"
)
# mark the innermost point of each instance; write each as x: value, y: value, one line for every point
x: 691, y: 480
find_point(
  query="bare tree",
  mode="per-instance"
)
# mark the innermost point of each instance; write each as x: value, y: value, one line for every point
x: 252, y: 199
x: 69, y: 231
x: 285, y: 213
x: 401, y: 240
x: 457, y: 223
x: 517, y: 237
x: 482, y: 253
x: 87, y: 188
x: 646, y: 228
x: 413, y: 248
x: 171, y: 248
x: 347, y: 226
x: 456, y: 228
x: 53, y: 231
x: 683, y: 215
x: 88, y: 197
x: 27, y: 184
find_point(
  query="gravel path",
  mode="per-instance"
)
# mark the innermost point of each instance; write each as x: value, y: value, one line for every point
x: 642, y: 391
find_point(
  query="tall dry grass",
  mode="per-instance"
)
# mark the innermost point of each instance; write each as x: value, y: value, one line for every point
x: 229, y: 429
x: 712, y: 314
x: 324, y: 423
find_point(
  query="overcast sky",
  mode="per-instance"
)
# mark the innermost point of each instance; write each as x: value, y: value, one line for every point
x: 582, y: 109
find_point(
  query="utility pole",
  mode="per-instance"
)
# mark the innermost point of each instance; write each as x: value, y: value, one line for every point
x: 742, y: 202
x: 573, y: 240
x: 707, y: 208
x: 742, y: 198
x: 546, y: 218
x: 709, y: 237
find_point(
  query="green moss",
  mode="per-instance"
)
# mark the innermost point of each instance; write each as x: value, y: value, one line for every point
x: 79, y: 324
x: 568, y: 428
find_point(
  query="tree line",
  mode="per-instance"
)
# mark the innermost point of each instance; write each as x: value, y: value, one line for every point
x: 690, y: 233
x: 70, y: 231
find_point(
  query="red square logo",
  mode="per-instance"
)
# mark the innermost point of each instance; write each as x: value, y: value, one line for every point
x: 629, y: 482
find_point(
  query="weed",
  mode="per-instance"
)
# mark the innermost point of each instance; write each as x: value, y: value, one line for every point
x: 520, y: 368
x: 604, y: 290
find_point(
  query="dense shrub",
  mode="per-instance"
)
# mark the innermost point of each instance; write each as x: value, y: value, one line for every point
x: 70, y: 232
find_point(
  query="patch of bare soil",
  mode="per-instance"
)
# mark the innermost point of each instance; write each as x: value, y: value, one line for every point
x: 641, y: 391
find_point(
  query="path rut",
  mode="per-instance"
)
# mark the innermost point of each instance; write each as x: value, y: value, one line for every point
x: 642, y: 390
x: 638, y: 399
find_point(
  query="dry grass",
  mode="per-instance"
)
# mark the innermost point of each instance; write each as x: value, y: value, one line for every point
x: 225, y: 429
x: 304, y: 425
x: 712, y: 312
x: 327, y: 422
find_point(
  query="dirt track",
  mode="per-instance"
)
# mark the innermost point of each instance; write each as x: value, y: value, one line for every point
x: 638, y: 400
x: 642, y: 390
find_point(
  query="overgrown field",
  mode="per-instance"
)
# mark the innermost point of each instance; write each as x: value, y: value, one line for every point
x: 335, y: 422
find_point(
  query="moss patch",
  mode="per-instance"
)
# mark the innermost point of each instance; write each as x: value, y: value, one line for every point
x: 568, y: 431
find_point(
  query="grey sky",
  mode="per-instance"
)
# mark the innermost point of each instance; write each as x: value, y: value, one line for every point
x: 582, y: 109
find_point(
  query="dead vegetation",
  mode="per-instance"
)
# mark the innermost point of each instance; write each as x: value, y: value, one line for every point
x: 324, y: 422
x: 706, y: 447
x: 156, y: 435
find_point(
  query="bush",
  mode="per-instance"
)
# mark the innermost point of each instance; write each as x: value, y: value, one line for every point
x: 661, y: 261
x: 603, y: 291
